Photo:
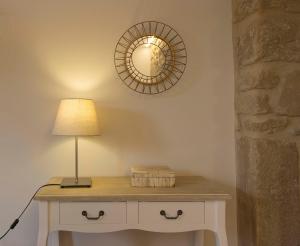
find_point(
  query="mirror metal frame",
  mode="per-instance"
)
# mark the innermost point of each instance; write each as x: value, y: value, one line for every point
x: 173, y: 49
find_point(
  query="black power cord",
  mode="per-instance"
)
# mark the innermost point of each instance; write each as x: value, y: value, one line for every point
x: 16, y: 221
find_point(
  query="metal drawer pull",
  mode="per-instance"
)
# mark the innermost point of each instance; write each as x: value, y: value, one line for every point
x: 85, y: 214
x: 163, y: 213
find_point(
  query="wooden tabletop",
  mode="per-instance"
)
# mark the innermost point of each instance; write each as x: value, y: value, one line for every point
x: 189, y: 188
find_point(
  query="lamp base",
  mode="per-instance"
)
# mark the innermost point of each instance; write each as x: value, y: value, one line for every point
x: 70, y: 183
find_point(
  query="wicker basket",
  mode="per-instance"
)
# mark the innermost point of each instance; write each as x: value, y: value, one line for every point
x: 158, y: 176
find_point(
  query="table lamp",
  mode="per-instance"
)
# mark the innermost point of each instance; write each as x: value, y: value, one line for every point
x: 76, y: 117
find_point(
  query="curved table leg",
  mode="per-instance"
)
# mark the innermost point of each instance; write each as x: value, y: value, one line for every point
x: 199, y: 238
x: 220, y: 225
x: 53, y: 238
x: 221, y: 238
x: 43, y: 224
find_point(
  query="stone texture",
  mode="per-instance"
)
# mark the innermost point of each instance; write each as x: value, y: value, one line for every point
x: 266, y: 40
x: 252, y: 103
x: 267, y: 55
x: 293, y: 6
x: 258, y: 79
x: 268, y: 193
x: 289, y: 101
x: 244, y: 8
x: 237, y: 123
x: 269, y: 125
x: 246, y: 188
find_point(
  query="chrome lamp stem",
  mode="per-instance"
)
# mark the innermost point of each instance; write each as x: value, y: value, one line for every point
x: 76, y: 182
x: 76, y: 159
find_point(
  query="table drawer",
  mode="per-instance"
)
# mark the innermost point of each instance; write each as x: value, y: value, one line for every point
x: 187, y: 214
x: 73, y: 213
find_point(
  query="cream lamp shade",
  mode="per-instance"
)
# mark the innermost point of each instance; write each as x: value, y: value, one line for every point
x: 76, y: 117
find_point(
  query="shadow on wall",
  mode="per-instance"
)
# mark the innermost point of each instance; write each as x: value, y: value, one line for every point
x: 125, y: 135
x: 127, y: 138
x: 129, y: 131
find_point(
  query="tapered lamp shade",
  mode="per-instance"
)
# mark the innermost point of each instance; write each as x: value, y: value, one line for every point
x: 76, y: 117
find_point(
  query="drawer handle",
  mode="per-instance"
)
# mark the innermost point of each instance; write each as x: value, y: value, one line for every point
x: 85, y: 214
x: 163, y: 213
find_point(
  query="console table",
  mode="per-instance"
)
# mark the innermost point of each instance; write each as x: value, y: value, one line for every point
x: 111, y: 204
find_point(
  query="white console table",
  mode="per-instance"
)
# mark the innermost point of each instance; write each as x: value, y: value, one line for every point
x: 194, y: 204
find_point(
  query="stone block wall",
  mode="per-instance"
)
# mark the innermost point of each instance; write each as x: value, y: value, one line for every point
x: 266, y: 35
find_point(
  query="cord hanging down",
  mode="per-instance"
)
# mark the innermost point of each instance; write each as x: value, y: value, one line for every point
x: 16, y: 221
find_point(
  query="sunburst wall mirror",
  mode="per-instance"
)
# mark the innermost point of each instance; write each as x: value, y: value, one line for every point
x: 150, y: 57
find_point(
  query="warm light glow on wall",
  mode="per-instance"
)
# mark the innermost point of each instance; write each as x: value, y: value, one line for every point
x: 74, y: 64
x: 79, y: 76
x: 76, y: 79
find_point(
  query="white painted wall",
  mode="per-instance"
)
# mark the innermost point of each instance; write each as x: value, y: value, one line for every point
x: 55, y: 49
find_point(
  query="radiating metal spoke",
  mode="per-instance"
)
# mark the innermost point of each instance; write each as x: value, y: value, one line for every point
x: 171, y: 46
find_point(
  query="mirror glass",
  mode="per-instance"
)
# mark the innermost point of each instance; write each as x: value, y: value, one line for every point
x: 148, y: 58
